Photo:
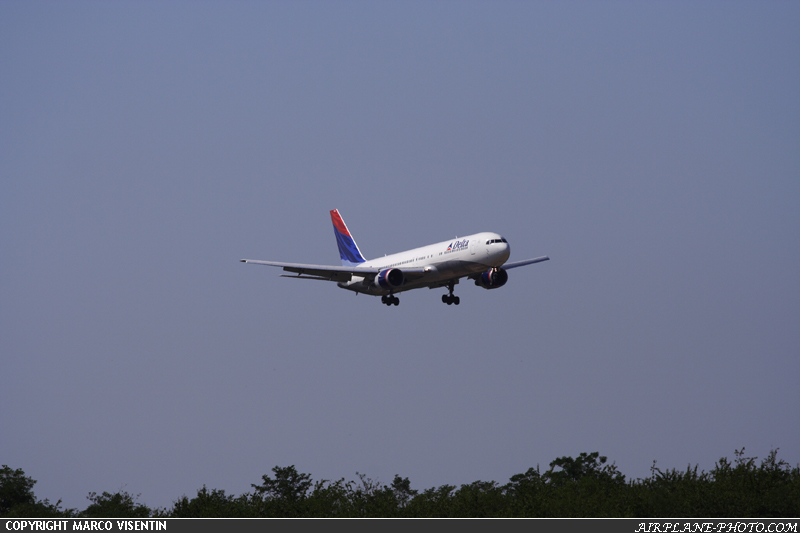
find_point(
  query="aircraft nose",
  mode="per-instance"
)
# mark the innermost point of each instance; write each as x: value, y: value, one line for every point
x: 503, y: 252
x: 507, y: 252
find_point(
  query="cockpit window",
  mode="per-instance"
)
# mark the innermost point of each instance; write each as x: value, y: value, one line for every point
x: 493, y: 241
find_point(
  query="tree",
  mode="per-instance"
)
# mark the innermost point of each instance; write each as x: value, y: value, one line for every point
x: 283, y: 496
x: 585, y: 466
x: 288, y: 486
x: 117, y: 505
x: 15, y: 489
x: 432, y: 503
x: 214, y: 504
x: 17, y: 498
x: 401, y: 487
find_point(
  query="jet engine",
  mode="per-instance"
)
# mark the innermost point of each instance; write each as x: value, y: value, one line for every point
x: 389, y: 279
x: 492, y: 279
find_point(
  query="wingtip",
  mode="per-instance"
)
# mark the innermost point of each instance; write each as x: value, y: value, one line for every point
x: 243, y: 260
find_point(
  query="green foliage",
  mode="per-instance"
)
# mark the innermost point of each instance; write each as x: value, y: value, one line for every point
x: 289, y: 486
x: 586, y: 466
x: 17, y: 499
x: 367, y: 498
x: 673, y: 493
x: 355, y: 499
x: 479, y: 499
x: 15, y: 489
x: 39, y: 509
x: 215, y: 504
x: 117, y: 505
x: 768, y: 490
x: 584, y: 486
x: 432, y: 503
x: 283, y: 496
x: 401, y: 488
x: 741, y: 489
x: 581, y: 487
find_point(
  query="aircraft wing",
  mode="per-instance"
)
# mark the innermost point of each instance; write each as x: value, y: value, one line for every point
x: 324, y: 272
x: 526, y: 262
x: 331, y: 273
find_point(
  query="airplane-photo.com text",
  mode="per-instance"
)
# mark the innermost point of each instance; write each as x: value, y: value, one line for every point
x: 481, y: 257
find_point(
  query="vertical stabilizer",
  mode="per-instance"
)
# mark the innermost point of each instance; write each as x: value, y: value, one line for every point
x: 348, y: 249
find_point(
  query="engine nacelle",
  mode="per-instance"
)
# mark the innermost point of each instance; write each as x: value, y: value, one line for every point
x: 492, y: 279
x: 389, y: 279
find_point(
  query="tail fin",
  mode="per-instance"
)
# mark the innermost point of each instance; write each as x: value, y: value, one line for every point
x: 348, y: 249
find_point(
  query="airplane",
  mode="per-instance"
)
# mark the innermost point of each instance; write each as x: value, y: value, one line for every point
x: 481, y: 257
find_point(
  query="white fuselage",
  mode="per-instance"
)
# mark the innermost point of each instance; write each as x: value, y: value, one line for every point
x: 442, y: 262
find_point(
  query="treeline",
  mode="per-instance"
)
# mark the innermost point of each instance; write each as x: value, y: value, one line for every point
x: 586, y: 486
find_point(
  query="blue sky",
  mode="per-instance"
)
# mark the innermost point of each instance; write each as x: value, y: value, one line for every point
x: 652, y: 150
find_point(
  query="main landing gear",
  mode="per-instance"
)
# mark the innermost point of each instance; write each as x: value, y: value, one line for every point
x: 449, y: 299
x: 390, y: 300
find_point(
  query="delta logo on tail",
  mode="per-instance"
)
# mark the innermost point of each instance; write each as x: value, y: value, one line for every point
x: 348, y: 249
x: 339, y: 224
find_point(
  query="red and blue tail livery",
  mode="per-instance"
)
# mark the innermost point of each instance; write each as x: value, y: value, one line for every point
x: 480, y: 257
x: 348, y: 249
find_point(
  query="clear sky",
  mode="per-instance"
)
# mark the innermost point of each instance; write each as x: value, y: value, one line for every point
x: 651, y: 149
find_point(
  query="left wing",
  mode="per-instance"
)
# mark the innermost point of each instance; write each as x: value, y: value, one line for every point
x: 335, y: 273
x: 323, y: 272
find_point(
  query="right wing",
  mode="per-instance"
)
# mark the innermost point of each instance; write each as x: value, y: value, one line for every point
x: 526, y: 262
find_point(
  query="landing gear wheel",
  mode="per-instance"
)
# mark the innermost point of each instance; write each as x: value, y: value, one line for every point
x: 449, y: 299
x: 390, y: 300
